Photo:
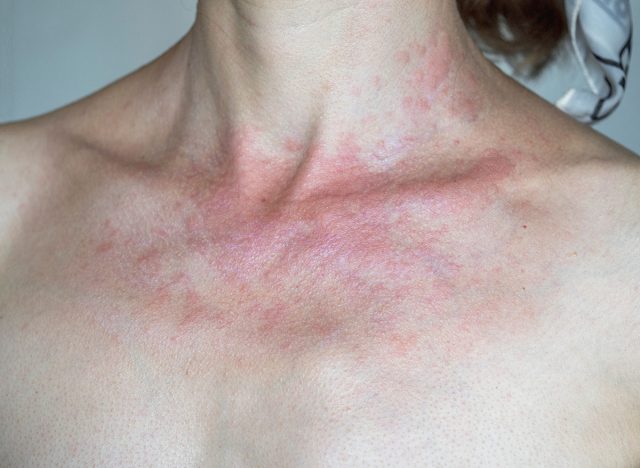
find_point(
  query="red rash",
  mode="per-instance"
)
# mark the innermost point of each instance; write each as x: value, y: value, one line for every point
x: 356, y: 257
x: 378, y: 265
x: 428, y: 70
x: 293, y: 146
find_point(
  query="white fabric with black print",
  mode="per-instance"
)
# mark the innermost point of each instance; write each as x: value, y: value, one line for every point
x: 600, y: 33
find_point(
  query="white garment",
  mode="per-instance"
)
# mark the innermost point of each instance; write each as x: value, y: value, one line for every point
x: 600, y: 33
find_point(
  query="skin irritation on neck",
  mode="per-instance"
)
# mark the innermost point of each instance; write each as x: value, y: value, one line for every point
x: 307, y: 95
x: 335, y: 176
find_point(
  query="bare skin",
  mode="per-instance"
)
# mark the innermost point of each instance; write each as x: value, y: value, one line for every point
x: 318, y: 234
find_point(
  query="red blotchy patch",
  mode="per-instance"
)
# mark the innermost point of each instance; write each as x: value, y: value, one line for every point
x: 195, y: 309
x: 465, y: 107
x: 293, y: 146
x: 408, y: 103
x: 348, y: 148
x: 361, y: 254
x: 271, y: 318
x: 104, y: 247
x: 199, y: 314
x: 424, y: 104
x: 403, y: 343
x: 108, y: 233
x: 162, y: 294
x: 148, y: 256
x: 418, y: 49
x: 402, y: 57
x: 432, y: 67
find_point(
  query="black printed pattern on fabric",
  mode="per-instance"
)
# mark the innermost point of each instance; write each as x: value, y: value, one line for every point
x: 621, y: 64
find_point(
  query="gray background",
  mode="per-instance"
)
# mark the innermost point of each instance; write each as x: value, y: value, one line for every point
x: 53, y: 52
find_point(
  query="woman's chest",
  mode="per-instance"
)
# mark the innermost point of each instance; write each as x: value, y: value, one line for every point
x: 75, y: 394
x: 345, y: 337
x: 320, y: 372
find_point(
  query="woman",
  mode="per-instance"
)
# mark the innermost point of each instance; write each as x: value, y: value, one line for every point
x: 320, y: 234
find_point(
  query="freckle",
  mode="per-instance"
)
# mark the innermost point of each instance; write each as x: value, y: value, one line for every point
x: 524, y: 226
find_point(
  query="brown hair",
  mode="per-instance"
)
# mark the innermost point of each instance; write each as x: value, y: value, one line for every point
x: 534, y: 28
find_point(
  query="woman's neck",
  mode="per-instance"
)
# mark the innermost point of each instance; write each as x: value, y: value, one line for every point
x: 291, y: 59
x: 266, y: 89
x: 288, y: 63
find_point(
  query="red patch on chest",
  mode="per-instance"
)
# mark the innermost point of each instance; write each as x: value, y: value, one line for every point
x: 342, y: 267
